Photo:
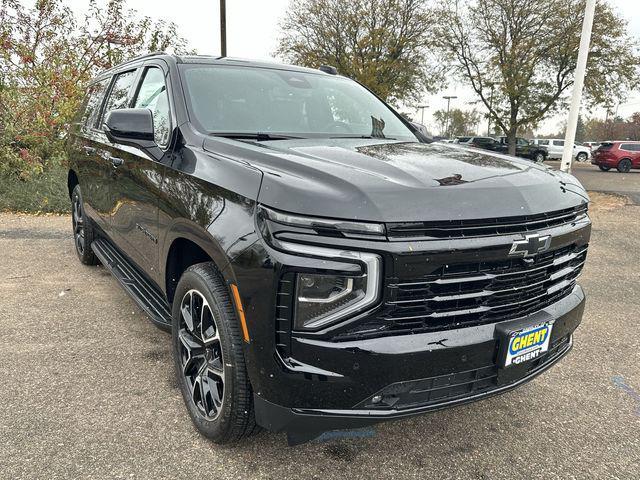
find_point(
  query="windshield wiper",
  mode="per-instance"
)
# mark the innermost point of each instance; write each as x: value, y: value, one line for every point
x: 258, y: 136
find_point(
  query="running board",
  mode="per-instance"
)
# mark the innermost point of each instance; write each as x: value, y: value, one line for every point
x: 146, y: 295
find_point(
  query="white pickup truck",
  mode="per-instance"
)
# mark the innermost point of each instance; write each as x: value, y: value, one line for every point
x: 556, y: 148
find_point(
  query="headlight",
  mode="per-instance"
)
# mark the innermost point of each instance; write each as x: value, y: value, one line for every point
x: 345, y: 227
x: 323, y: 299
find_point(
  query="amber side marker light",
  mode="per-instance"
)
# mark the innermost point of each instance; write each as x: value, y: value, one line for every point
x: 243, y: 321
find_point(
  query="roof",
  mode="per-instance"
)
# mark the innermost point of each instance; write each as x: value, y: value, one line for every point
x: 210, y: 60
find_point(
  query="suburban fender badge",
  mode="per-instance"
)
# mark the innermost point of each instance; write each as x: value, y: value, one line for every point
x: 531, y: 245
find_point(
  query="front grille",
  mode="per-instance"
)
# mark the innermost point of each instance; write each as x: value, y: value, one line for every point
x: 459, y: 385
x: 484, y: 227
x: 469, y: 294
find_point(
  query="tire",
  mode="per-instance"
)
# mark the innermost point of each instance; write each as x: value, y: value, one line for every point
x: 582, y: 157
x: 604, y: 168
x: 83, y: 232
x: 624, y: 166
x: 539, y: 157
x: 210, y: 365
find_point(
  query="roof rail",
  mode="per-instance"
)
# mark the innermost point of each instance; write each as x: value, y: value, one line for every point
x: 126, y: 62
x: 144, y: 55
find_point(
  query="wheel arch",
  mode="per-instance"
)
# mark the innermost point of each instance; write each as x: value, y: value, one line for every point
x: 72, y: 181
x: 187, y: 247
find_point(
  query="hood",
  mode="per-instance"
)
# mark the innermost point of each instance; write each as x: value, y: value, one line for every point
x: 386, y: 181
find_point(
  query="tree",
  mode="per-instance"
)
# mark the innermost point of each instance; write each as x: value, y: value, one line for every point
x: 613, y: 128
x: 383, y: 44
x: 526, y: 53
x: 460, y: 122
x: 47, y: 56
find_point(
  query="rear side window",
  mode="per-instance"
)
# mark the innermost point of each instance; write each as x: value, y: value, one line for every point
x: 119, y: 95
x: 558, y: 143
x: 630, y: 147
x: 463, y: 139
x: 543, y: 142
x: 92, y: 110
x: 153, y: 95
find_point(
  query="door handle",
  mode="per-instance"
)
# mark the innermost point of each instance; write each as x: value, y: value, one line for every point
x: 89, y: 150
x: 116, y: 161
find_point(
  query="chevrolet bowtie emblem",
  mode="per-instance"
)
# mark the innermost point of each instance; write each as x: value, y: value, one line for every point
x: 530, y: 246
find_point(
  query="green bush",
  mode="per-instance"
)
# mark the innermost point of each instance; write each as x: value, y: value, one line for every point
x: 40, y: 193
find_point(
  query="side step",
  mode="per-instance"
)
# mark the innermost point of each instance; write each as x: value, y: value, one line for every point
x: 146, y: 295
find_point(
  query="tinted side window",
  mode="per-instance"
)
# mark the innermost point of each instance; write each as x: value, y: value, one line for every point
x: 119, y: 94
x: 543, y: 142
x: 153, y: 95
x: 631, y: 147
x: 92, y: 110
x: 558, y: 143
x: 522, y: 141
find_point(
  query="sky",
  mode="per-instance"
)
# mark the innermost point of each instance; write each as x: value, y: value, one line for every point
x: 253, y: 30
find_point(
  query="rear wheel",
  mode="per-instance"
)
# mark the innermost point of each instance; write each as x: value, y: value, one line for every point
x: 582, y: 157
x: 604, y: 168
x: 83, y: 232
x: 624, y: 166
x: 208, y: 357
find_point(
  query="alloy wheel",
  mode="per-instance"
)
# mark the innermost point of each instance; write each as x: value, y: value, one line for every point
x: 624, y: 166
x: 78, y: 224
x: 201, y: 354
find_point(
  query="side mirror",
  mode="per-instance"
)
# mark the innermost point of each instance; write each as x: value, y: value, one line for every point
x: 422, y: 130
x: 133, y: 127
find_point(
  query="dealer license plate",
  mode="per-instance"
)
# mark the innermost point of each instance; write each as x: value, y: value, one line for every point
x: 528, y: 344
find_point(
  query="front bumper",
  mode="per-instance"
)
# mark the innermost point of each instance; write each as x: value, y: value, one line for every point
x: 427, y: 372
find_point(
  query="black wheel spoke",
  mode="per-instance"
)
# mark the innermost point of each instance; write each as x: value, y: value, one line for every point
x: 191, y: 352
x: 208, y: 330
x: 212, y: 392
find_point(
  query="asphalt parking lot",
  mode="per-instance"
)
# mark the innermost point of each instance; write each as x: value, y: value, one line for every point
x: 612, y: 181
x: 87, y: 388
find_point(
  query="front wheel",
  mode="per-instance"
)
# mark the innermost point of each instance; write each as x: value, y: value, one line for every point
x: 604, y: 168
x: 539, y: 157
x: 624, y: 166
x: 82, y: 229
x: 208, y: 357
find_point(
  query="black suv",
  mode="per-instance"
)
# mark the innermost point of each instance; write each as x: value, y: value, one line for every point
x: 320, y: 264
x: 524, y: 149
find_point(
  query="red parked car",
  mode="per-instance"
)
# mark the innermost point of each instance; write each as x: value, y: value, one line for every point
x: 620, y: 155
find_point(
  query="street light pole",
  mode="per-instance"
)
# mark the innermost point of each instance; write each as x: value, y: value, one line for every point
x: 448, y: 98
x: 581, y: 68
x: 223, y: 28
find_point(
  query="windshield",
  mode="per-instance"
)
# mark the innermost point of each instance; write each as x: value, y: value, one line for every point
x: 229, y: 99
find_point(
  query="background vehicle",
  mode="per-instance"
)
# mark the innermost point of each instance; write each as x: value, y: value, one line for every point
x: 556, y: 149
x: 592, y: 145
x: 479, y: 142
x: 622, y: 156
x: 524, y: 149
x: 319, y: 263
